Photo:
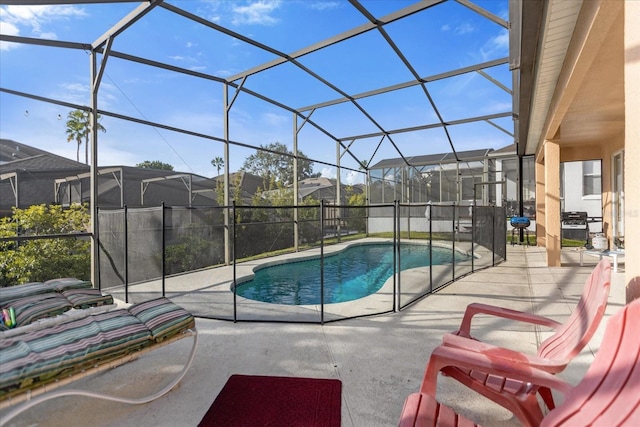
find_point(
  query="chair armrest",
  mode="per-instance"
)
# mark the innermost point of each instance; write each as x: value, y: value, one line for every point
x: 490, y: 363
x: 508, y: 355
x: 477, y: 308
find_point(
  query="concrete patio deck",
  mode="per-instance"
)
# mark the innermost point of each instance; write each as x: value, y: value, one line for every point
x: 379, y: 359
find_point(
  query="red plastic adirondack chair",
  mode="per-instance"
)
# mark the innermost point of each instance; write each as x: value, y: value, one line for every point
x: 608, y: 395
x: 553, y: 355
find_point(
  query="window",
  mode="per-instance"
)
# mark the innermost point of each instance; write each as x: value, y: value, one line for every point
x: 591, y: 178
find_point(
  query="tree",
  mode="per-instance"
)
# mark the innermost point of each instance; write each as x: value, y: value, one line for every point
x: 275, y: 161
x: 43, y: 259
x: 218, y: 163
x: 79, y: 128
x: 155, y: 164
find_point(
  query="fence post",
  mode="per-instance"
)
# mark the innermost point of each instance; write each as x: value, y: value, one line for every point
x: 493, y: 238
x: 233, y: 250
x: 429, y: 214
x: 453, y: 243
x: 126, y: 257
x: 397, y: 283
x: 503, y: 216
x: 96, y: 240
x: 321, y: 261
x: 473, y: 235
x: 163, y: 249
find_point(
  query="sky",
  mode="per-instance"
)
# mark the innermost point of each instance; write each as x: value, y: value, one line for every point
x: 436, y: 40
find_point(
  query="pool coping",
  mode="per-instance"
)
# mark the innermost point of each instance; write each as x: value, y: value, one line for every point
x: 208, y: 292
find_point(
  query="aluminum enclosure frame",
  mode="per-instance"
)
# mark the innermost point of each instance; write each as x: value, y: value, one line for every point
x: 101, y: 50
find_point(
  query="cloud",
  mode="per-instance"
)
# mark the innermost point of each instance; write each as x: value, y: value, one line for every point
x: 274, y: 119
x: 501, y: 41
x: 352, y: 178
x: 258, y: 13
x: 498, y: 107
x: 328, y: 172
x: 445, y: 27
x: 78, y: 93
x: 464, y: 29
x: 33, y: 18
x: 457, y: 85
x: 10, y: 30
x: 48, y: 36
x: 325, y: 5
x: 496, y: 46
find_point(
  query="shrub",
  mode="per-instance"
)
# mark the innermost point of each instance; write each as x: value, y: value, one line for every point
x: 44, y: 259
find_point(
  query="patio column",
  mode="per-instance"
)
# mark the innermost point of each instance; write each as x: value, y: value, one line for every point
x: 541, y: 228
x: 553, y: 237
x: 632, y: 147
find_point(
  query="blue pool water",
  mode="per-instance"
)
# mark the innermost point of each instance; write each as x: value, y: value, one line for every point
x: 354, y: 273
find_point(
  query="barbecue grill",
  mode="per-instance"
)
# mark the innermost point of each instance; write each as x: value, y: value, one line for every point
x: 575, y: 226
x: 519, y: 223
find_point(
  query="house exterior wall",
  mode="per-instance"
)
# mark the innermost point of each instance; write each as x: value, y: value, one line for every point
x: 632, y: 146
x: 553, y: 238
x: 613, y: 107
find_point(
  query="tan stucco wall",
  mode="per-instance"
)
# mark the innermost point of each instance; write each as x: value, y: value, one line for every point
x: 589, y: 95
x: 541, y: 213
x: 610, y: 149
x: 553, y: 237
x: 632, y: 147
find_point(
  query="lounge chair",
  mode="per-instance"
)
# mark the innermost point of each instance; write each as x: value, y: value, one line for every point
x: 553, y: 355
x: 608, y: 395
x: 40, y: 357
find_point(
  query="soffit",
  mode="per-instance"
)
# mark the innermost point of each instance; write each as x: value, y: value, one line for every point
x: 596, y: 112
x: 559, y: 24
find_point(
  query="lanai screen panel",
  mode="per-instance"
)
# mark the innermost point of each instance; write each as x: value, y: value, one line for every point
x: 234, y: 76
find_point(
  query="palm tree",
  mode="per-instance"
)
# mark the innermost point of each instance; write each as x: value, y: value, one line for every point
x: 79, y: 128
x: 218, y: 163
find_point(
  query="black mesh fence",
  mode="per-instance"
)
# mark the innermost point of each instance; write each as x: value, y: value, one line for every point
x: 160, y: 242
x: 261, y: 230
x: 342, y: 261
x: 194, y: 238
x: 112, y: 244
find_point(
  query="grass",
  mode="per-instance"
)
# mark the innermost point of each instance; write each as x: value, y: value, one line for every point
x: 568, y: 243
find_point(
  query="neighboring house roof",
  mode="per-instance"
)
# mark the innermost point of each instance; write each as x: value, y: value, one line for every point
x: 320, y: 188
x: 249, y: 184
x: 507, y: 150
x: 431, y: 159
x: 15, y: 156
x: 27, y: 175
x: 118, y: 185
x: 43, y: 177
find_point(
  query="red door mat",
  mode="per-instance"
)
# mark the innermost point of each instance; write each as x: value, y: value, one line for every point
x: 253, y: 400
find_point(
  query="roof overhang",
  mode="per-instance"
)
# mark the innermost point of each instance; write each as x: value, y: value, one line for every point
x: 570, y: 73
x: 547, y: 29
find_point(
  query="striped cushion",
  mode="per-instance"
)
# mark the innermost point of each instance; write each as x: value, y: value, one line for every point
x: 61, y: 285
x: 11, y: 293
x: 40, y: 356
x: 31, y: 308
x: 163, y: 318
x: 85, y: 298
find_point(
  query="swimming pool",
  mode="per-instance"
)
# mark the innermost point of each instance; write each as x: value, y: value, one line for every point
x: 351, y: 274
